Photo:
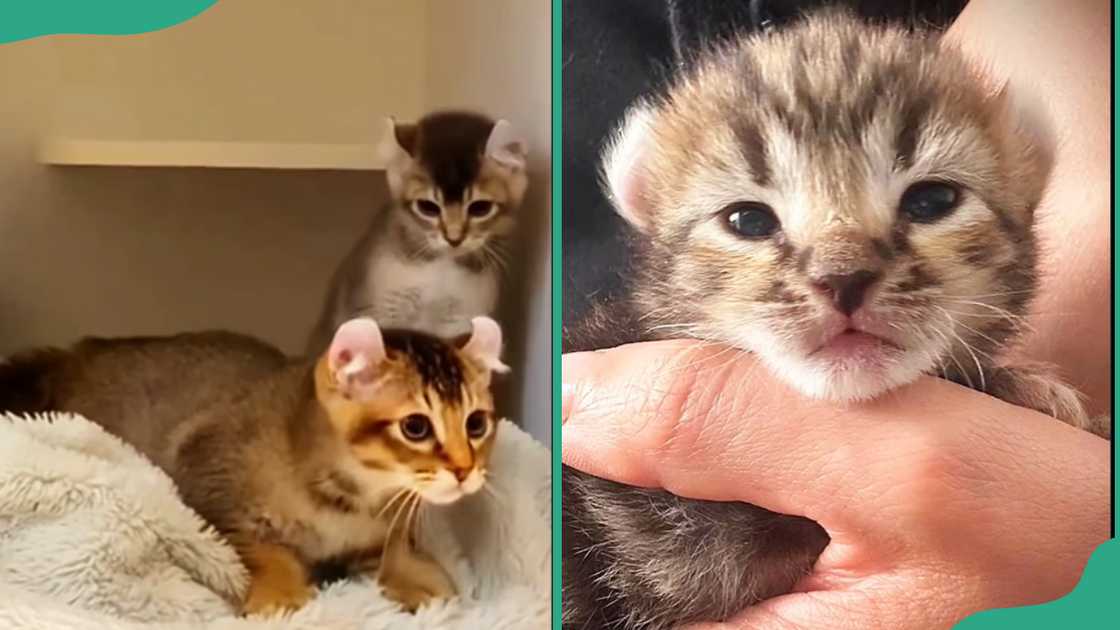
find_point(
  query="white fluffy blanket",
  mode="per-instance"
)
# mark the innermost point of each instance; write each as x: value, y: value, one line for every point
x: 92, y: 535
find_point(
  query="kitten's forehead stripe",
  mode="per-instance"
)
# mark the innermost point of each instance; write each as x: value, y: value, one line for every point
x: 437, y: 364
x: 754, y: 149
x: 911, y: 121
x: 450, y: 145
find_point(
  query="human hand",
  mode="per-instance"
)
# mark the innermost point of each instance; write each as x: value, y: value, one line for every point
x: 940, y: 501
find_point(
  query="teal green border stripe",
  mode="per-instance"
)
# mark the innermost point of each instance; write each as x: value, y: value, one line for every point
x: 557, y: 295
x: 25, y: 19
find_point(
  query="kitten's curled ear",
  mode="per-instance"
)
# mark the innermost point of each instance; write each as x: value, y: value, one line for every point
x: 1023, y: 131
x: 395, y: 152
x: 354, y: 356
x: 485, y: 344
x: 506, y: 147
x: 1021, y: 127
x: 624, y: 167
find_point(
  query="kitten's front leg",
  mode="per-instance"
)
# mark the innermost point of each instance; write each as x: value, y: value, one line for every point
x: 411, y: 577
x: 1037, y: 386
x: 278, y: 579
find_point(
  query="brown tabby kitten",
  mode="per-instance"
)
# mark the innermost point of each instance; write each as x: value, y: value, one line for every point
x: 432, y: 259
x: 298, y: 463
x: 849, y: 203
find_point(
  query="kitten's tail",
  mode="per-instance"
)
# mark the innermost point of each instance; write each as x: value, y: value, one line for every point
x: 25, y: 380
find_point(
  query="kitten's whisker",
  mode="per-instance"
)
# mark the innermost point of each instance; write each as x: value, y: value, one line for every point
x: 987, y: 295
x: 973, y: 315
x: 408, y: 522
x: 393, y: 499
x: 963, y: 372
x: 1002, y: 311
x: 971, y: 329
x: 690, y: 330
x: 1019, y: 322
x: 979, y: 368
x: 496, y: 255
x: 397, y: 515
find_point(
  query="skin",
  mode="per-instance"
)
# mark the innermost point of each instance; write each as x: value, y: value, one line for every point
x: 1055, y: 56
x: 976, y: 504
x: 951, y: 509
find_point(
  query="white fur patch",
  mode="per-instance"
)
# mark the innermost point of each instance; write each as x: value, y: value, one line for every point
x: 621, y: 170
x: 438, y: 296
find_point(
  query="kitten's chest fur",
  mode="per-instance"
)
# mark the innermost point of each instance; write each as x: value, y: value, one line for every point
x: 439, y: 296
x: 327, y: 520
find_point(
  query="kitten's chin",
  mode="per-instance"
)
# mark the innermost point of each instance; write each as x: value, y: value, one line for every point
x: 441, y: 496
x: 848, y: 378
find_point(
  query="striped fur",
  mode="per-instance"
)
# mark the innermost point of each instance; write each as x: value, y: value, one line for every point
x: 297, y: 473
x: 828, y: 123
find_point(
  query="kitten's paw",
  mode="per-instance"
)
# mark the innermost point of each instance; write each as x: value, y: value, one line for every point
x: 412, y: 596
x: 420, y: 589
x: 267, y: 598
x: 1037, y: 386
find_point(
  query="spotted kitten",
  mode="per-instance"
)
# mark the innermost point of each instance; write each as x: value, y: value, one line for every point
x: 432, y: 259
x: 849, y: 203
x: 299, y: 464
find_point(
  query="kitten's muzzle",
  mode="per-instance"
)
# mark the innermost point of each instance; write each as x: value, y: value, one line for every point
x: 843, y: 264
x: 846, y: 291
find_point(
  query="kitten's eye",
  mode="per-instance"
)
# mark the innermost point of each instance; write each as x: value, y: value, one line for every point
x: 416, y: 427
x: 926, y: 202
x: 477, y: 423
x: 426, y: 208
x: 751, y: 220
x: 480, y: 209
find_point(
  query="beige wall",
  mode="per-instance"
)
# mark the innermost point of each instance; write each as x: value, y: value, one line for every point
x: 125, y: 251
x: 114, y: 251
x: 499, y: 61
x: 318, y: 71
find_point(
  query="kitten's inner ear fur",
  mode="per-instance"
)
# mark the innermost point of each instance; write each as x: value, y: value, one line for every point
x: 624, y: 168
x: 354, y: 357
x: 506, y: 147
x: 395, y: 152
x: 485, y: 344
x: 1022, y: 130
x: 1026, y: 139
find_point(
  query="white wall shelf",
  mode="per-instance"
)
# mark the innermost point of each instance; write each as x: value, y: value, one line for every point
x: 193, y: 154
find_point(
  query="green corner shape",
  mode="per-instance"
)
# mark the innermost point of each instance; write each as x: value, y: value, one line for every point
x: 1091, y: 604
x: 27, y: 19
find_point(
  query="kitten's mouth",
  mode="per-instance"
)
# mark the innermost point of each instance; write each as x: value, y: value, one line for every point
x: 852, y: 344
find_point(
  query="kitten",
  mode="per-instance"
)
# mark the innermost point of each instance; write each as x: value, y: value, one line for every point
x: 432, y: 259
x: 297, y: 463
x: 846, y: 201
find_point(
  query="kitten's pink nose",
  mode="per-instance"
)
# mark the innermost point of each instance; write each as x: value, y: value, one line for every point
x: 461, y: 473
x: 455, y: 242
x: 846, y: 291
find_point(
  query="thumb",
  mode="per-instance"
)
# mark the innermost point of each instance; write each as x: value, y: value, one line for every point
x: 699, y: 420
x: 847, y: 608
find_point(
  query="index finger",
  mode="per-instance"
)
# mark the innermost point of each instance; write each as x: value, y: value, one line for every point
x: 709, y: 422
